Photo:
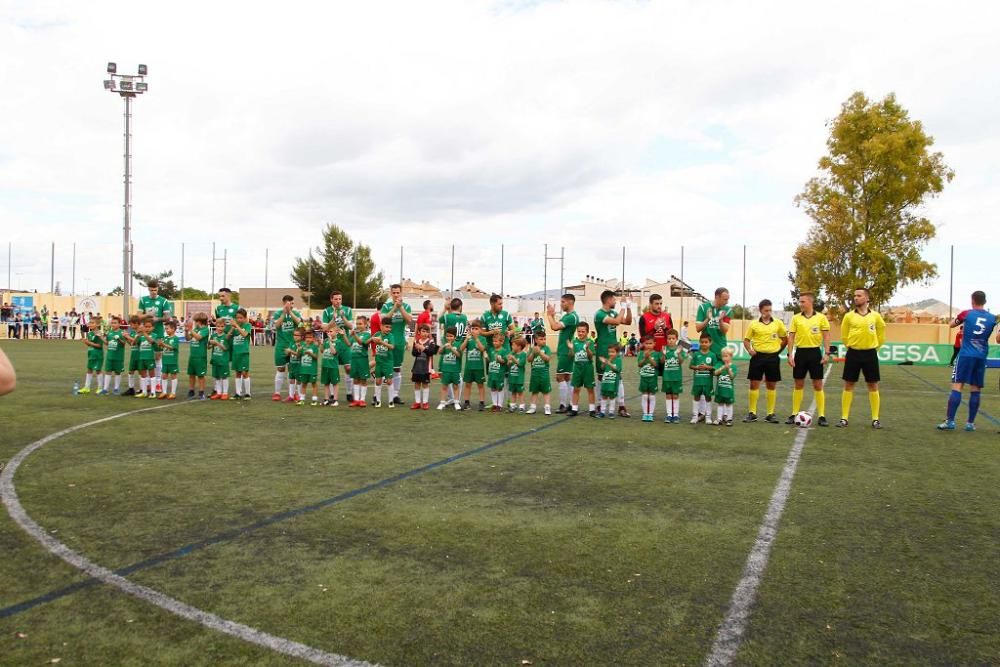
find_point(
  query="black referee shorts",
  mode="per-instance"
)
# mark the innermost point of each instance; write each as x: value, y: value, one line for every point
x: 857, y: 362
x: 765, y: 365
x: 808, y: 361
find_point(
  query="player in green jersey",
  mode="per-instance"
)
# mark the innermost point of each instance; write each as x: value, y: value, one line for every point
x: 114, y: 360
x: 496, y: 367
x: 649, y: 367
x: 450, y: 367
x: 611, y: 379
x: 399, y: 314
x: 582, y: 348
x: 713, y: 318
x: 517, y: 362
x: 94, y: 341
x: 226, y: 310
x: 703, y: 361
x: 338, y: 317
x: 286, y: 321
x: 541, y: 382
x: 218, y: 342
x: 161, y: 310
x: 725, y: 389
x: 454, y: 317
x: 566, y: 326
x: 474, y: 366
x: 329, y: 373
x: 240, y: 335
x: 384, y: 361
x: 198, y: 333
x: 309, y: 360
x: 169, y: 347
x: 360, y: 339
x: 294, y: 353
x: 148, y: 344
x: 496, y: 319
x: 134, y: 322
x: 673, y: 376
x: 606, y: 322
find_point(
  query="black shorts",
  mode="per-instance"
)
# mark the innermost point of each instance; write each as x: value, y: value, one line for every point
x: 861, y: 361
x: 765, y: 365
x: 420, y: 378
x: 808, y: 361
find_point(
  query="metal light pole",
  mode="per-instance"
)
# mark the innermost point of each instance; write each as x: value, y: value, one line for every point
x: 128, y: 86
x: 266, y: 258
x: 182, y: 271
x: 52, y: 270
x: 72, y: 287
x: 452, y: 271
x: 501, y: 268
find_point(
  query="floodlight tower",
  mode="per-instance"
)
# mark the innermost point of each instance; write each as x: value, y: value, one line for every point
x: 128, y: 86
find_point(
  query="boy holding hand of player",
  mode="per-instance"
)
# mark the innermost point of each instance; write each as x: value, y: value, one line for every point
x: 360, y: 339
x: 240, y: 334
x: 330, y: 369
x: 218, y: 341
x: 308, y: 362
x: 496, y: 369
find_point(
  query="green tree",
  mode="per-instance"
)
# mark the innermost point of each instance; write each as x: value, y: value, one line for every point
x: 117, y: 291
x: 867, y: 227
x: 332, y: 268
x: 194, y: 294
x: 168, y: 288
x: 819, y: 303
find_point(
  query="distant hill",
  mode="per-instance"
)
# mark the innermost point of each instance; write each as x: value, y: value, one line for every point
x: 938, y: 308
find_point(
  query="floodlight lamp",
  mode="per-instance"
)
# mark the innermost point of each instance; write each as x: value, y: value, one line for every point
x: 109, y: 84
x: 142, y: 70
x: 126, y: 85
x: 141, y: 87
x: 112, y: 68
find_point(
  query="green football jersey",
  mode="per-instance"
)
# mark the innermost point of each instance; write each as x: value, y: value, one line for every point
x: 171, y: 354
x: 116, y: 345
x: 537, y: 324
x: 716, y: 317
x: 458, y: 320
x: 284, y: 330
x: 382, y: 351
x: 359, y: 348
x: 580, y: 348
x: 294, y: 352
x: 157, y: 307
x: 199, y: 348
x: 649, y: 367
x: 398, y: 322
x: 307, y: 362
x: 147, y: 347
x: 472, y: 353
x: 339, y: 316
x: 725, y: 382
x: 607, y: 334
x: 699, y: 358
x: 220, y: 355
x: 612, y: 375
x: 568, y: 332
x: 493, y: 322
x: 450, y: 361
x: 241, y: 337
x: 227, y: 313
x: 517, y: 368
x: 497, y: 362
x: 92, y: 337
x: 673, y: 358
x: 539, y: 365
x: 330, y: 357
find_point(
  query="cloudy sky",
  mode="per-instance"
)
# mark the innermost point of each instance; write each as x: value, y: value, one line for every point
x: 586, y: 125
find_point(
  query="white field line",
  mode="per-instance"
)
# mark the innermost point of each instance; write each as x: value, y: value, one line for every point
x: 730, y: 635
x: 248, y: 634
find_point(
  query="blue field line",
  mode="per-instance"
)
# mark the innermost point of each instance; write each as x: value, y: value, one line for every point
x: 946, y: 391
x: 270, y: 520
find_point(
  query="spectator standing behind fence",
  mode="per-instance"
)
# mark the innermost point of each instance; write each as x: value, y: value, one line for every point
x: 74, y: 323
x: 64, y: 325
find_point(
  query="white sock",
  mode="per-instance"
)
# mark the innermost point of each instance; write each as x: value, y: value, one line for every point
x: 565, y: 395
x: 427, y: 394
x: 677, y: 407
x: 246, y: 385
x: 378, y: 393
x: 173, y: 386
x: 364, y: 394
x: 279, y: 381
x: 621, y: 394
x: 86, y: 381
x: 645, y: 404
x: 397, y: 382
x: 696, y: 406
x: 591, y: 407
x: 291, y: 389
x: 417, y: 394
x: 604, y: 405
x: 118, y: 382
x: 107, y: 381
x: 704, y: 406
x: 652, y: 403
x: 131, y: 381
x: 721, y: 412
x: 350, y: 385
x: 159, y: 369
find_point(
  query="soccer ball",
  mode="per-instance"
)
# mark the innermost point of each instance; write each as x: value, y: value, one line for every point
x: 803, y: 420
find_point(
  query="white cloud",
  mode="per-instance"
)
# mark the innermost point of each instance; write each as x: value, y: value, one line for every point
x: 587, y: 125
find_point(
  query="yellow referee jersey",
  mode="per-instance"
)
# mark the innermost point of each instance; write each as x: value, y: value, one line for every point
x: 808, y: 330
x: 766, y: 337
x: 863, y: 332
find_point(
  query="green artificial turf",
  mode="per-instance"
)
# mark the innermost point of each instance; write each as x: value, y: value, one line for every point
x: 584, y: 542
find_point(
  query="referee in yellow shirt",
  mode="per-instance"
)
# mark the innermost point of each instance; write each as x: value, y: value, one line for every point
x: 808, y: 342
x: 764, y: 341
x: 863, y: 332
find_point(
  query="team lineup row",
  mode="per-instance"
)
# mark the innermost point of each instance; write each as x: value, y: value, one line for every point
x: 490, y: 351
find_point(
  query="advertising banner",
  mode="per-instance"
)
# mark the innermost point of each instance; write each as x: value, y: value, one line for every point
x: 918, y: 354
